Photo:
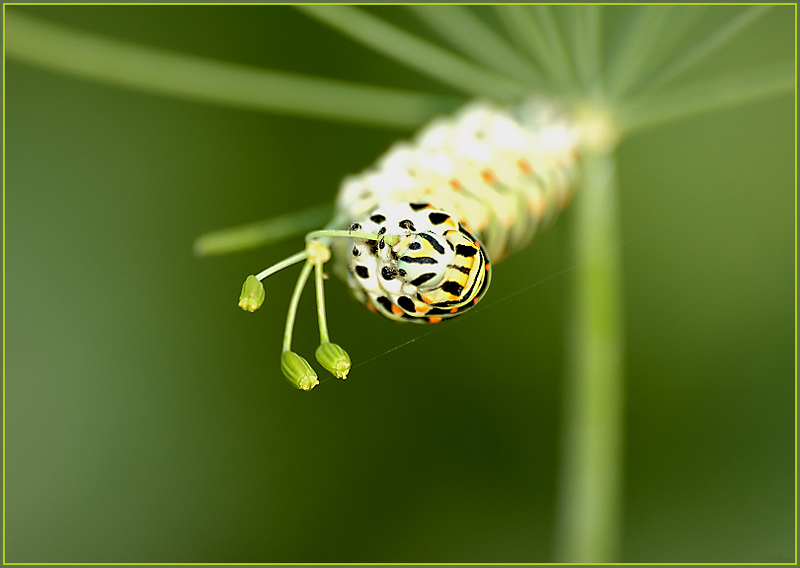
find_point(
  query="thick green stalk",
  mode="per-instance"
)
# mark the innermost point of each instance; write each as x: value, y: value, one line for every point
x: 589, y: 500
x: 163, y: 72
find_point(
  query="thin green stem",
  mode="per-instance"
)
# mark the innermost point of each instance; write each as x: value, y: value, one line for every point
x: 525, y: 30
x: 700, y: 51
x: 326, y: 234
x: 323, y: 321
x: 678, y: 22
x: 560, y: 64
x: 266, y: 232
x: 285, y: 263
x: 128, y: 65
x: 290, y: 316
x: 652, y: 110
x: 631, y: 52
x: 416, y: 53
x: 590, y: 492
x: 462, y: 28
x: 519, y: 25
x: 587, y: 47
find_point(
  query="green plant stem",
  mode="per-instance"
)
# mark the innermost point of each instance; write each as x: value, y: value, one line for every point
x: 292, y: 313
x: 262, y: 233
x: 652, y: 110
x: 696, y: 53
x: 128, y: 65
x: 416, y: 53
x: 678, y: 22
x: 285, y: 263
x: 461, y: 27
x: 558, y: 60
x: 526, y: 32
x: 589, y: 499
x: 520, y: 26
x: 587, y: 47
x: 632, y: 50
x: 324, y: 235
x: 321, y: 316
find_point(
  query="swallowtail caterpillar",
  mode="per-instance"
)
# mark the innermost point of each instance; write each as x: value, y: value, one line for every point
x: 416, y: 235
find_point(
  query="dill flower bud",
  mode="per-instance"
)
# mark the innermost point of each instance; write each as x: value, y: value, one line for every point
x: 252, y: 295
x: 334, y: 359
x: 297, y: 371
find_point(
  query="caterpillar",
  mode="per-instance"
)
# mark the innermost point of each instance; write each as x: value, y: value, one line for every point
x: 416, y: 235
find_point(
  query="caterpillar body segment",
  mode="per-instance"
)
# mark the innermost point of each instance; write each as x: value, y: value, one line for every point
x: 487, y: 176
x: 502, y: 174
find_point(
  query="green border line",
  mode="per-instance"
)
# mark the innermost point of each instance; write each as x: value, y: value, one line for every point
x: 391, y: 563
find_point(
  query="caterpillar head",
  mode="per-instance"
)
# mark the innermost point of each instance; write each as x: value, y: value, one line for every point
x: 423, y: 266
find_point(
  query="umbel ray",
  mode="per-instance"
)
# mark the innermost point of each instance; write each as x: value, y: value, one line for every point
x: 416, y: 235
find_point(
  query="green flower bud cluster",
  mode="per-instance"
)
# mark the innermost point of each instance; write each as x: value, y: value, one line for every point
x: 300, y: 373
x: 331, y: 356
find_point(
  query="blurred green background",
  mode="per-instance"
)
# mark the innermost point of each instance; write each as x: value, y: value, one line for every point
x: 146, y: 418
